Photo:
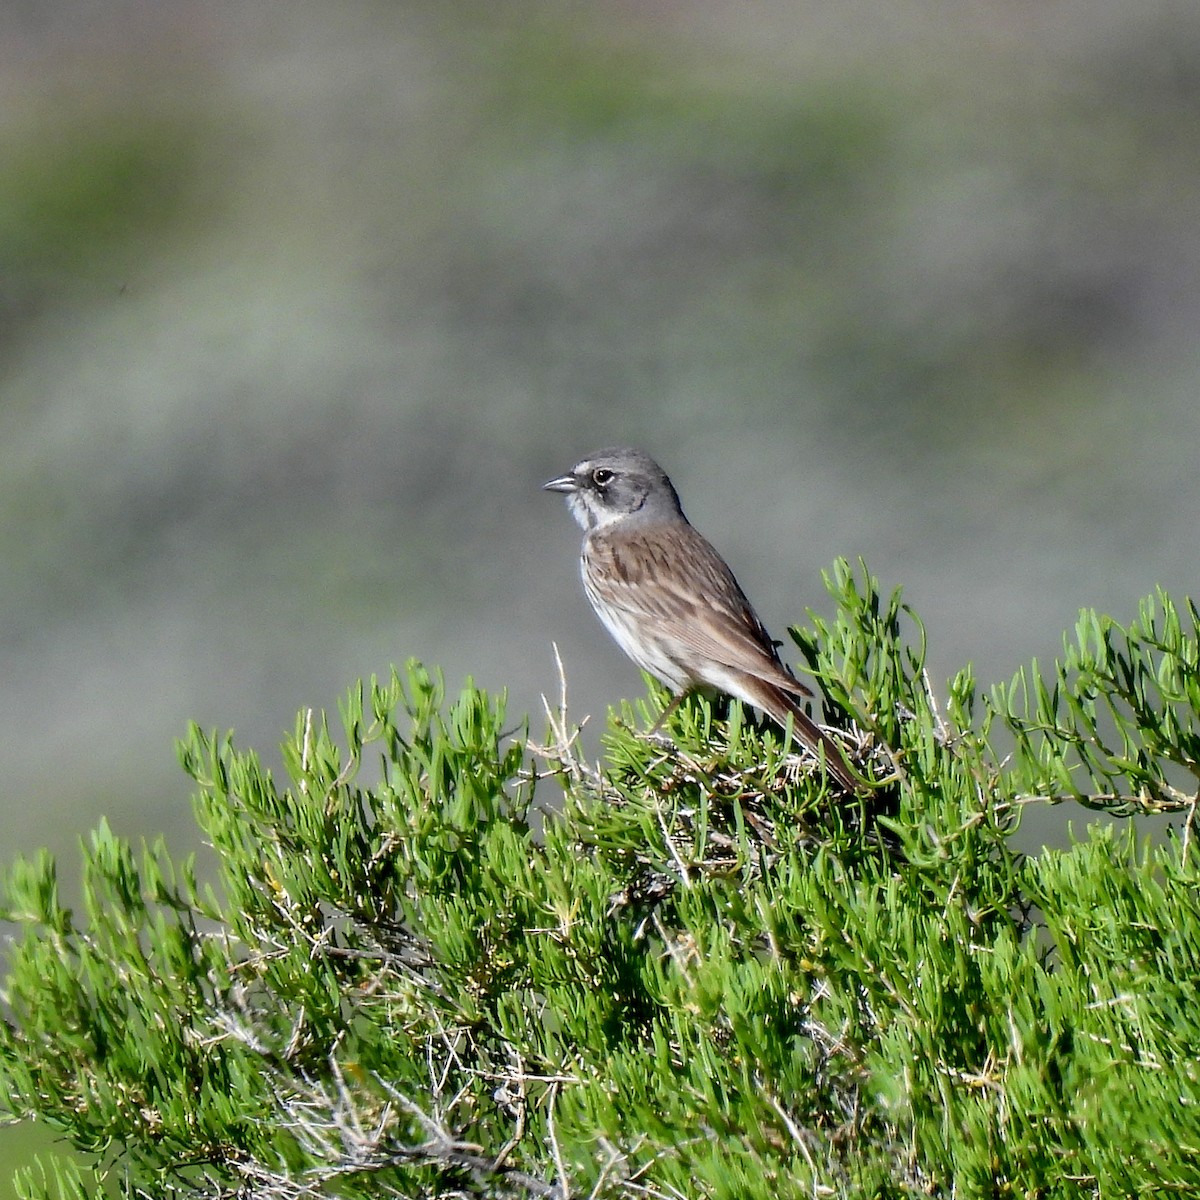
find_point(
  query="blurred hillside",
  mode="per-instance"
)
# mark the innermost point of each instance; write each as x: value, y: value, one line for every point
x: 300, y: 303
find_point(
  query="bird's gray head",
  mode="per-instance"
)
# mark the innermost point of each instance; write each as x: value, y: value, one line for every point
x: 615, y: 485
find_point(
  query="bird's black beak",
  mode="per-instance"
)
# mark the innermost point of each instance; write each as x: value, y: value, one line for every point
x: 564, y: 483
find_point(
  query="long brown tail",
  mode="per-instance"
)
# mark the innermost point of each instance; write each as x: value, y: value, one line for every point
x: 778, y: 705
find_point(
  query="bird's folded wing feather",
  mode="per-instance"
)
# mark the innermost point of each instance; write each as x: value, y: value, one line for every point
x: 672, y: 575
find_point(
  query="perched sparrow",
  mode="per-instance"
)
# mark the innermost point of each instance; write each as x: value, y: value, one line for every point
x: 671, y: 601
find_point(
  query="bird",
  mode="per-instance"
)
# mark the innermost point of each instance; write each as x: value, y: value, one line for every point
x: 670, y: 600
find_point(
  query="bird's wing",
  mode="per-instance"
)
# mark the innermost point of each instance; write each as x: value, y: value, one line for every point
x: 670, y: 574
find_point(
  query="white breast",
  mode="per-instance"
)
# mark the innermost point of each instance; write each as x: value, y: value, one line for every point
x: 637, y: 636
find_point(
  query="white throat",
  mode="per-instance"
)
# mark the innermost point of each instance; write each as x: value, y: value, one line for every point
x: 590, y: 515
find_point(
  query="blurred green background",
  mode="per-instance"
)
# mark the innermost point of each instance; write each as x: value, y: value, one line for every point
x: 300, y: 302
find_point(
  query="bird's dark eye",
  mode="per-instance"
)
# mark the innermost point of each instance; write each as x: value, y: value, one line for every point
x: 602, y: 477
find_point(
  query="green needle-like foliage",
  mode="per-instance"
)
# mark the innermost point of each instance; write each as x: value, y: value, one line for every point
x: 692, y: 970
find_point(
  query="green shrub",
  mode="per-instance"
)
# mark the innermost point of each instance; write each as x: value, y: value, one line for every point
x: 690, y: 970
